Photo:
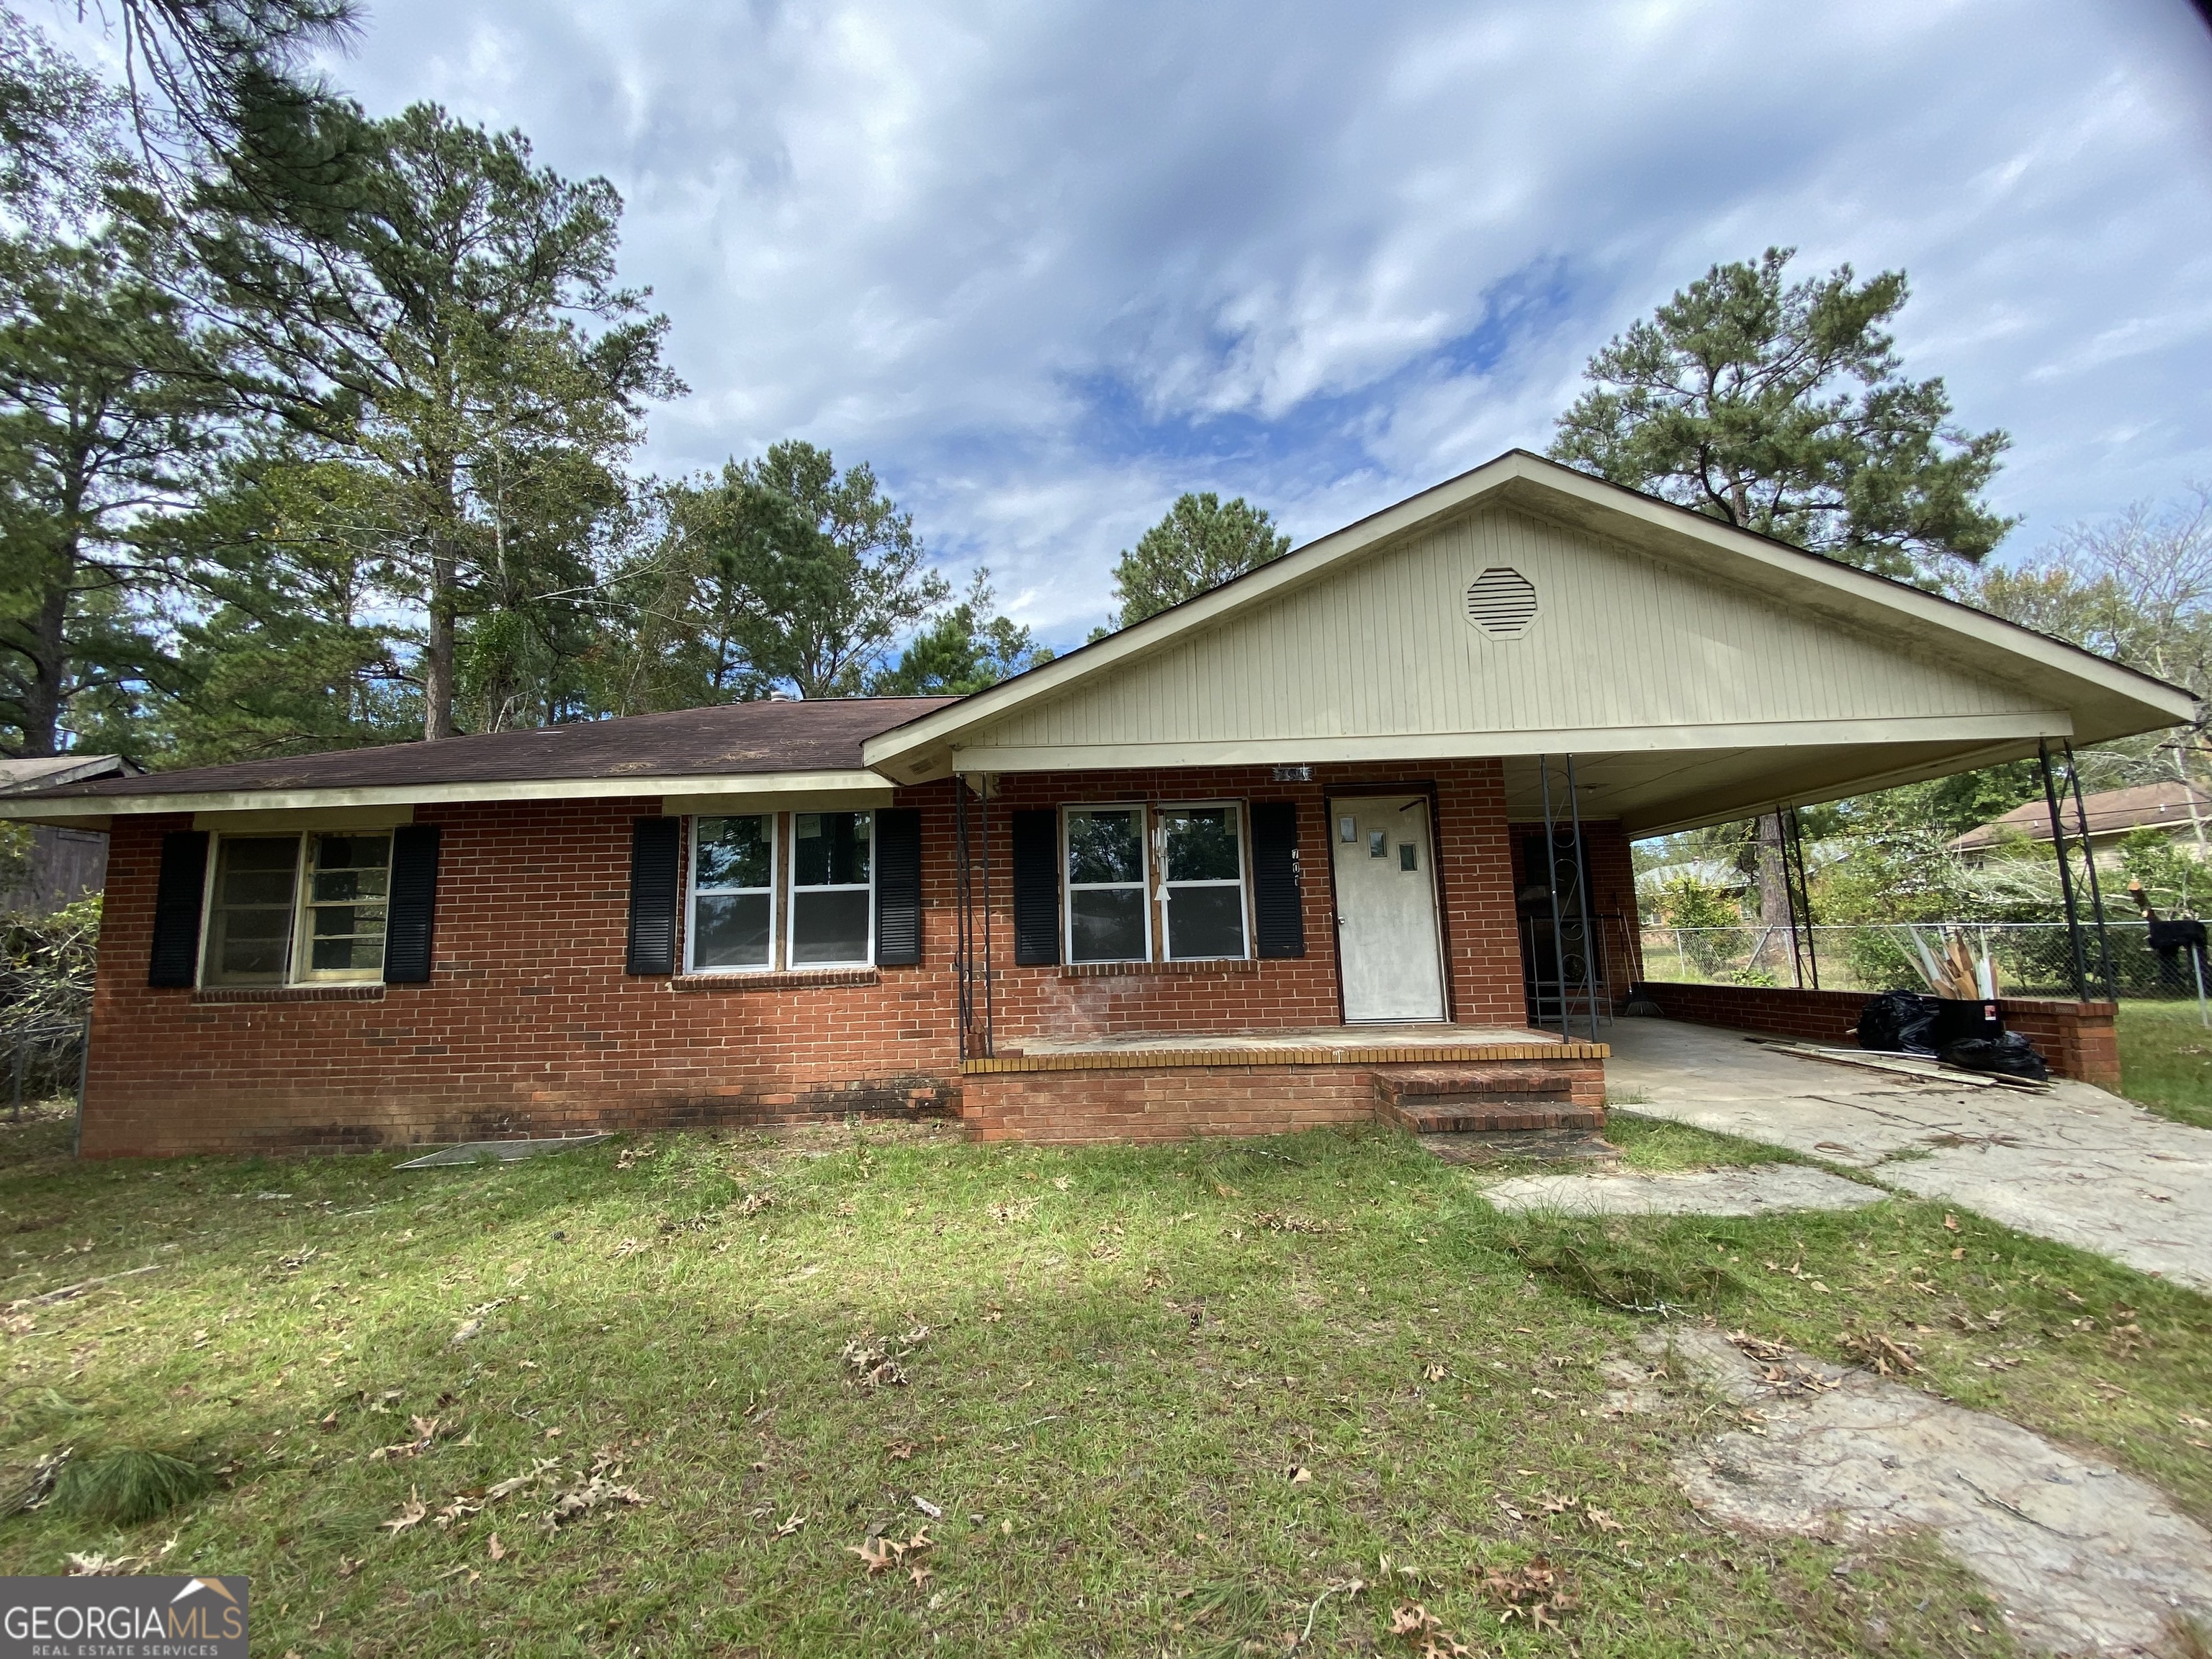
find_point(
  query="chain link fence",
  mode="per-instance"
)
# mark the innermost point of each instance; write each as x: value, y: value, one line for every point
x: 2030, y: 958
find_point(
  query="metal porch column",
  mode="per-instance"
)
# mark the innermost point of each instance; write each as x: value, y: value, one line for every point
x: 2065, y: 873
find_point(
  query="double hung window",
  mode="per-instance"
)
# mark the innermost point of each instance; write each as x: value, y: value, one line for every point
x: 1166, y: 880
x: 297, y: 909
x: 1109, y: 917
x: 832, y: 890
x: 732, y: 894
x: 1202, y: 861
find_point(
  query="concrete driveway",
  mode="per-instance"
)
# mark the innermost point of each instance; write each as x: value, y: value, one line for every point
x: 2077, y: 1165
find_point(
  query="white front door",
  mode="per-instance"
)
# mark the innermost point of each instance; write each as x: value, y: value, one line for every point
x: 1387, y: 945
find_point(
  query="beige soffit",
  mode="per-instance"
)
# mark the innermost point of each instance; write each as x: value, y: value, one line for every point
x: 306, y: 817
x: 774, y: 790
x: 2048, y: 689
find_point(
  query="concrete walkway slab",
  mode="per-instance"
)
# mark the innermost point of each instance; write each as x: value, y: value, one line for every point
x: 2083, y: 1558
x: 2076, y: 1165
x: 1752, y: 1189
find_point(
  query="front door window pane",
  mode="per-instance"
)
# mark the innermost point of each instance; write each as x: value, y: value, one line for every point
x: 348, y: 878
x: 733, y: 882
x: 832, y: 893
x: 1106, y: 884
x: 249, y: 917
x: 1204, y: 855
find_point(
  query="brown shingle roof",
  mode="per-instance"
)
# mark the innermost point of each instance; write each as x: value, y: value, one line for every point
x: 2110, y: 812
x: 728, y: 739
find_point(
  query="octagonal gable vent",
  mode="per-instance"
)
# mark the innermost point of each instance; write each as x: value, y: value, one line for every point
x: 1502, y: 602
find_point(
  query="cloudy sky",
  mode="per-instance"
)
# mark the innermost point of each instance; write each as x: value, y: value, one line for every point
x: 1046, y: 264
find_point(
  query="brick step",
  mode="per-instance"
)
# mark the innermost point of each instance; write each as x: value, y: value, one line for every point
x: 1488, y: 1117
x: 1470, y: 1083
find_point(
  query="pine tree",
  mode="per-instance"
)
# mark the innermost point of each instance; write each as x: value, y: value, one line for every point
x: 1201, y: 543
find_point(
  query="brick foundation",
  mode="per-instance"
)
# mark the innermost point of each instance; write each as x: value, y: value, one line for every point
x: 529, y: 1026
x: 1176, y: 1102
x: 2075, y: 1039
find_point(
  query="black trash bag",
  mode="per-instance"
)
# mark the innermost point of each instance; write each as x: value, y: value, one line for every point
x: 2009, y: 1055
x: 1899, y: 1022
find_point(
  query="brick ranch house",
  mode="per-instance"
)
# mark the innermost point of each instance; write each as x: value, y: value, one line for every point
x: 1352, y: 827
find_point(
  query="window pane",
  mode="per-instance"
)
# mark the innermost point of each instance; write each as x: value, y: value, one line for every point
x: 250, y: 922
x: 1106, y: 923
x: 733, y: 852
x: 1202, y: 843
x: 832, y: 850
x: 730, y: 930
x: 828, y: 927
x: 1206, y: 921
x: 348, y: 879
x: 1103, y: 847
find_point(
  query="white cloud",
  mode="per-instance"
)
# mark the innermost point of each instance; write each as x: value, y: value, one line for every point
x: 1047, y: 264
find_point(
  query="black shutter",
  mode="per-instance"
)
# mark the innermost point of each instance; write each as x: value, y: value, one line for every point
x: 654, y: 850
x: 1279, y: 919
x: 413, y: 904
x: 898, y: 887
x: 177, y: 896
x: 1036, y: 887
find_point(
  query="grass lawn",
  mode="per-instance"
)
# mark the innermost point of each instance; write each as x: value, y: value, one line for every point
x: 1167, y: 1401
x: 2165, y: 1059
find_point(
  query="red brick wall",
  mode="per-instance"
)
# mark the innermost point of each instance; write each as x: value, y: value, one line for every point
x: 530, y: 1026
x: 2075, y: 1039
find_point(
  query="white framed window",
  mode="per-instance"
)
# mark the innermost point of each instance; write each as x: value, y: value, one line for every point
x: 1200, y: 850
x: 296, y: 909
x: 732, y: 905
x: 833, y: 889
x: 1108, y: 908
x: 346, y: 885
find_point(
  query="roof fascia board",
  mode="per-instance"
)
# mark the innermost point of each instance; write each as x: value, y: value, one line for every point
x: 1460, y: 745
x: 803, y: 800
x: 34, y: 808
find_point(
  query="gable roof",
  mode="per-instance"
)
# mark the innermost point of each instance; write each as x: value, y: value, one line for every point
x: 1698, y: 672
x: 759, y: 746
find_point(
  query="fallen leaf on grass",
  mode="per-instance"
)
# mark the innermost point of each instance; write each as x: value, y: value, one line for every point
x: 1532, y: 1593
x: 497, y: 1550
x: 790, y: 1526
x: 1950, y: 1223
x: 883, y: 1553
x: 1432, y: 1373
x: 935, y: 1512
x: 540, y: 1470
x: 1599, y: 1521
x: 586, y: 1492
x: 412, y: 1513
x: 1883, y: 1354
x: 1300, y: 1474
x: 901, y: 1451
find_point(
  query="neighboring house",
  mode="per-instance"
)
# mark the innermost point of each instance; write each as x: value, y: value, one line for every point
x: 2182, y: 811
x: 66, y: 864
x: 1241, y: 867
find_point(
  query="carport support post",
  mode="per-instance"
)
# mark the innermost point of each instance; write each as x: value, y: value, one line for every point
x: 1581, y: 895
x: 1552, y: 886
x: 2089, y: 863
x: 2065, y: 873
